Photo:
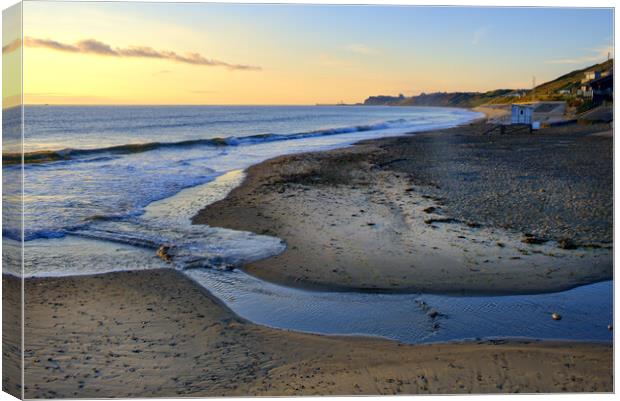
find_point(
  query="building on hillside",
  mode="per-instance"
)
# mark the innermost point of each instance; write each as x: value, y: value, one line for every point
x: 590, y: 75
x: 597, y: 85
x: 522, y: 113
x: 585, y: 91
x: 602, y: 89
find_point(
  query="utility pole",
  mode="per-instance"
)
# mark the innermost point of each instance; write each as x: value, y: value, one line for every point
x: 533, y: 87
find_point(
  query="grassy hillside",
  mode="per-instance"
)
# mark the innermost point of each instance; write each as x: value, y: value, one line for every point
x: 458, y: 99
x: 546, y: 91
x: 446, y: 99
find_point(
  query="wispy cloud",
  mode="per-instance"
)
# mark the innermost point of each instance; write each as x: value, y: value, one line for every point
x: 479, y: 34
x: 92, y: 46
x: 162, y: 72
x: 327, y: 60
x: 11, y: 46
x: 596, y: 55
x: 360, y: 48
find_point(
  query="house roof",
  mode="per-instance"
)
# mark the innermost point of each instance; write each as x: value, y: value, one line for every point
x: 602, y: 80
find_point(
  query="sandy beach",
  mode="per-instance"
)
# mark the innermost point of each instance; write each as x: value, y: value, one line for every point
x: 246, y: 200
x: 159, y: 334
x: 450, y: 211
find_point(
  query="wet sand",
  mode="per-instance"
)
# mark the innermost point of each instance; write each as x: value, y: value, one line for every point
x: 439, y: 212
x: 157, y: 333
x: 450, y: 211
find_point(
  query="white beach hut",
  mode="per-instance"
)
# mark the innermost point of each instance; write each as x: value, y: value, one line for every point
x: 522, y: 113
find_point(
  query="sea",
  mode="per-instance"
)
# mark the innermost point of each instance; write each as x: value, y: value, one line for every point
x: 105, y: 186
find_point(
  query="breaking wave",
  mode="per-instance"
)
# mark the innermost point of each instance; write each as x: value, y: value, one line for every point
x: 45, y: 156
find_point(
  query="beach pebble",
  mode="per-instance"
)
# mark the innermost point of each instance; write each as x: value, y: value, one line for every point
x: 566, y: 243
x: 556, y: 316
x: 164, y: 252
x: 532, y: 239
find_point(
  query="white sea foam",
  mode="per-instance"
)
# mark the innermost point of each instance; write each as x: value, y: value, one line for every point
x: 68, y: 195
x: 112, y: 212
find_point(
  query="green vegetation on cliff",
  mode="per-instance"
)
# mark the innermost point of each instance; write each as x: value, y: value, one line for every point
x: 547, y: 91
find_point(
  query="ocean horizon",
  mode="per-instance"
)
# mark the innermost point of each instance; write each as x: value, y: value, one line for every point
x: 233, y: 200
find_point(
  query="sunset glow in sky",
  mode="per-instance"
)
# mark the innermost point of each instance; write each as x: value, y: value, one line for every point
x: 158, y: 53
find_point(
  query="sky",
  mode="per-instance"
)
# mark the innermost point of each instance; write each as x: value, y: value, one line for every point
x: 11, y: 59
x: 171, y: 53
